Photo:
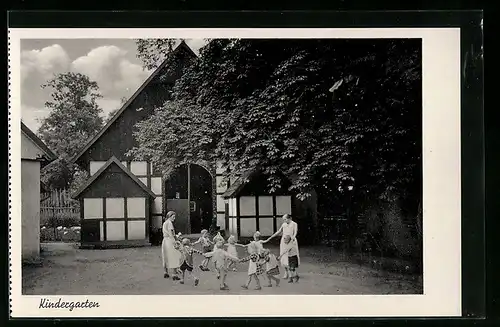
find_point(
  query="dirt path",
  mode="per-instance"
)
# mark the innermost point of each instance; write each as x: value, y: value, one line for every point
x: 68, y: 270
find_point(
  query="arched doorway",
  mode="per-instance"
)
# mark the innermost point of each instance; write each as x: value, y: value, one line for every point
x: 188, y: 192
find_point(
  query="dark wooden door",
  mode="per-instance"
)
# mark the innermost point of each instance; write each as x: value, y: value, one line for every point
x: 91, y: 231
x: 181, y: 207
x: 188, y: 192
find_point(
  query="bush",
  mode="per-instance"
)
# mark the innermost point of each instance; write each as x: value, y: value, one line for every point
x: 388, y: 231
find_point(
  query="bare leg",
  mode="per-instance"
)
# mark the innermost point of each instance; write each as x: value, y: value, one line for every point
x: 175, y: 273
x: 248, y: 282
x: 285, y: 276
x: 192, y: 276
x: 223, y: 275
x: 257, y: 281
x: 182, y: 277
x: 276, y: 280
x: 270, y: 284
x: 291, y: 275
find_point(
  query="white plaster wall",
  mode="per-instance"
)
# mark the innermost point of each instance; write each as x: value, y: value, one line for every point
x: 29, y: 149
x: 95, y: 166
x: 92, y: 208
x: 30, y: 209
x: 137, y: 230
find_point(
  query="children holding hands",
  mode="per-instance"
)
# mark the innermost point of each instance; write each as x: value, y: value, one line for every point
x: 221, y: 259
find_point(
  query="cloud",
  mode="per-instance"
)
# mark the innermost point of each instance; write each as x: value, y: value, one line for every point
x: 196, y: 44
x: 31, y: 116
x: 44, y: 62
x: 113, y: 72
x: 109, y: 105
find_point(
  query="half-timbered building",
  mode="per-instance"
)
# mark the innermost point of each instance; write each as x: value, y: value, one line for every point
x: 195, y: 191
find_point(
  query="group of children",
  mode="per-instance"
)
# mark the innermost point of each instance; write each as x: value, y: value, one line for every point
x: 225, y: 256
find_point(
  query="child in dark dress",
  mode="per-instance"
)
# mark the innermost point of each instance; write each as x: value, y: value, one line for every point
x: 290, y: 250
x: 187, y: 263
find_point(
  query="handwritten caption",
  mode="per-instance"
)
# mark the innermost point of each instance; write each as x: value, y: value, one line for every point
x: 70, y: 305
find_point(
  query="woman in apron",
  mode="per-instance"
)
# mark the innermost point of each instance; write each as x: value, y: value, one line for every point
x: 171, y: 257
x: 289, y: 227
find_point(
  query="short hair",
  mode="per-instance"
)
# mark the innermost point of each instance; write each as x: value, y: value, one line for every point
x: 185, y: 241
x: 204, y: 231
x: 170, y: 214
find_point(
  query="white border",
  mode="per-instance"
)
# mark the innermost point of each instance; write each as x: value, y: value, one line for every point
x: 441, y: 205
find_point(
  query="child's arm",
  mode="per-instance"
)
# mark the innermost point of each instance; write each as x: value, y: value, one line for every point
x: 208, y: 254
x: 197, y: 251
x: 245, y: 259
x: 229, y: 256
x: 241, y: 245
x: 284, y: 252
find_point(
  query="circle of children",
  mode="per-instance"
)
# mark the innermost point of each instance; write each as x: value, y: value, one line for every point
x: 178, y: 253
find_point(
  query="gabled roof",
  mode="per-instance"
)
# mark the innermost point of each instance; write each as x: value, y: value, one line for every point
x: 182, y: 45
x: 238, y: 185
x: 108, y: 163
x: 50, y: 156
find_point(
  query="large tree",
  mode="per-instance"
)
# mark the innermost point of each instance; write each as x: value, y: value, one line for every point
x: 330, y: 114
x: 74, y: 118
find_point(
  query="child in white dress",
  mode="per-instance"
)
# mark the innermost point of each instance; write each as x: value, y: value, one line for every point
x: 255, y: 267
x: 231, y: 249
x: 206, y: 246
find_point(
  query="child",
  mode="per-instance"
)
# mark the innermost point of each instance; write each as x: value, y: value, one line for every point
x: 217, y: 238
x: 206, y: 247
x: 231, y: 249
x: 290, y: 250
x: 220, y: 258
x: 254, y: 265
x: 272, y: 267
x: 187, y: 264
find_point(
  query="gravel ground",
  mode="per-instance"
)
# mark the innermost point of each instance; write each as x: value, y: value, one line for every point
x: 67, y: 270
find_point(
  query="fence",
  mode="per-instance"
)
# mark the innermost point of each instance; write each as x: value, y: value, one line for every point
x: 59, y: 215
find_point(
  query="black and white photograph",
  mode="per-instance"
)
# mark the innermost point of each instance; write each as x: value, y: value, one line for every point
x: 221, y: 166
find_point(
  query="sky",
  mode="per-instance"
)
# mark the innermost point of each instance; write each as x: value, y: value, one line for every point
x: 112, y: 63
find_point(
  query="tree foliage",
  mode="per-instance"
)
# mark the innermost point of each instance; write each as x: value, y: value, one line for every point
x: 329, y: 114
x: 74, y: 118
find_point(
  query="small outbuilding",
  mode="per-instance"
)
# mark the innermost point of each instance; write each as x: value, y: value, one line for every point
x: 251, y: 208
x: 34, y: 155
x: 114, y: 208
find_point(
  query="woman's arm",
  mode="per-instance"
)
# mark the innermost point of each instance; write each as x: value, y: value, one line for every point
x: 295, y: 230
x: 275, y: 234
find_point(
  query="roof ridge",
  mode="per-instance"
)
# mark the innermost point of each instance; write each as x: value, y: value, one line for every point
x: 129, y: 101
x: 108, y: 163
x: 29, y: 133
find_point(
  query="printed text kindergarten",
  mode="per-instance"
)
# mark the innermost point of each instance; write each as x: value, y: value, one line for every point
x: 70, y: 305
